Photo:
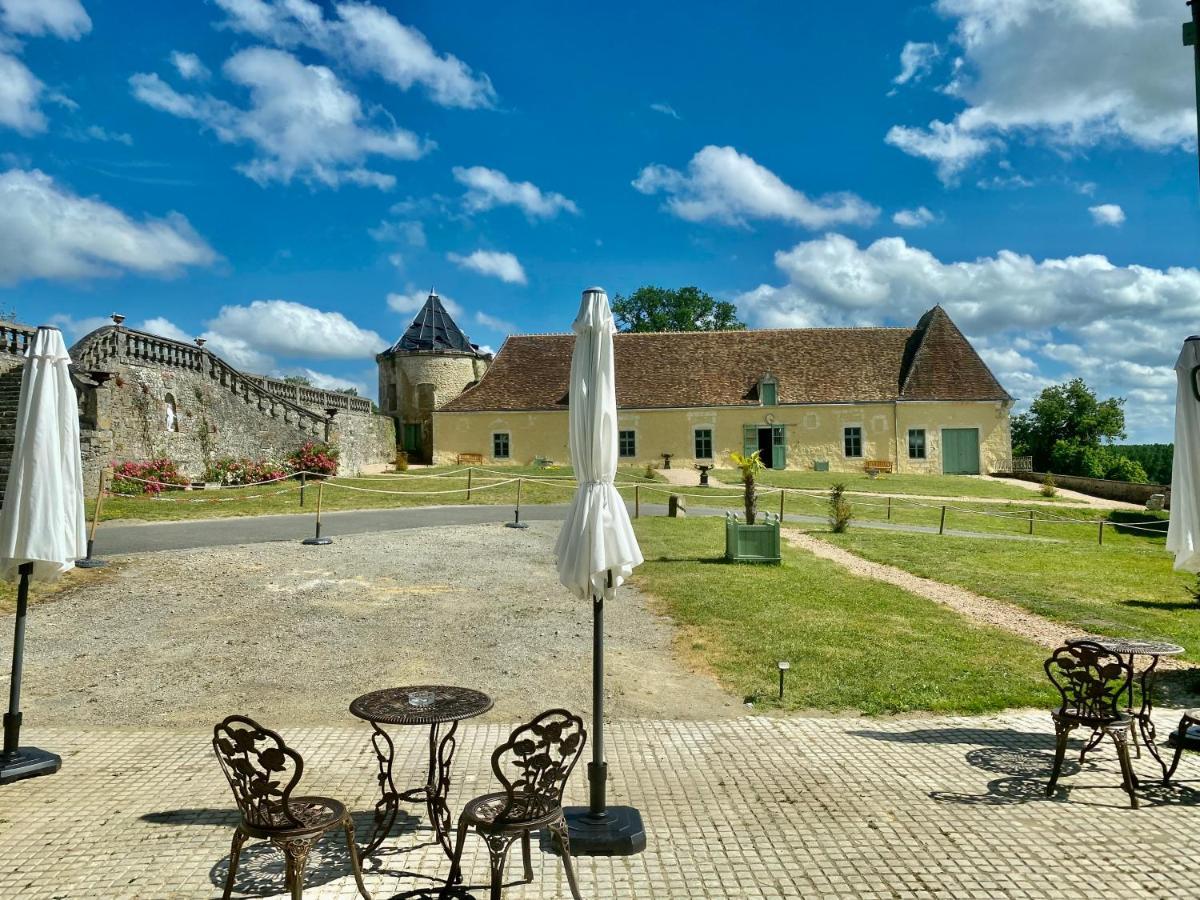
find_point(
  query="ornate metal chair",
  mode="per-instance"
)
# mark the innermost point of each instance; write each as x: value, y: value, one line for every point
x: 1090, y: 681
x: 533, y: 765
x: 262, y: 771
x: 1189, y: 719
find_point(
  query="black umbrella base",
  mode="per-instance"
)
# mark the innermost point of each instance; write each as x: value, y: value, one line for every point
x: 317, y: 541
x: 27, y: 762
x: 618, y: 831
x: 89, y: 563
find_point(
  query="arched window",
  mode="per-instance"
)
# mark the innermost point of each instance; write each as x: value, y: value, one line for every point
x: 171, y: 413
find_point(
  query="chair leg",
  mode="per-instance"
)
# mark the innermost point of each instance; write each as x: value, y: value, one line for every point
x: 1061, y: 734
x: 559, y: 830
x: 297, y: 852
x: 456, y: 861
x: 1180, y: 736
x: 1121, y: 739
x: 235, y: 853
x: 355, y: 863
x: 527, y: 856
x: 498, y: 845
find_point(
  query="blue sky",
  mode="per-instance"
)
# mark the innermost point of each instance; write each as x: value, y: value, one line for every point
x: 288, y: 178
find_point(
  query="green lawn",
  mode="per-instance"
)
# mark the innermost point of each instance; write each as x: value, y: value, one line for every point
x: 930, y: 485
x: 854, y: 644
x: 1125, y: 588
x: 378, y: 492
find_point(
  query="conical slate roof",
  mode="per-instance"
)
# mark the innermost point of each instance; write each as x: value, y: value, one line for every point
x: 432, y: 330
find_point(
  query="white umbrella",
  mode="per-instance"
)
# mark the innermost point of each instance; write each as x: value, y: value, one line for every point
x: 1183, y: 532
x: 42, y: 529
x: 596, y: 551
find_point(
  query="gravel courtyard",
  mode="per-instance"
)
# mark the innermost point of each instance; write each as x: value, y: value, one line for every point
x: 291, y: 634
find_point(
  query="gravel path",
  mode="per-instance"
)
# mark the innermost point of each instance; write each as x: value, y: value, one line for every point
x: 974, y: 606
x: 293, y: 633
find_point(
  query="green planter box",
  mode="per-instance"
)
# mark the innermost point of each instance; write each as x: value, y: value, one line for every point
x: 752, y: 543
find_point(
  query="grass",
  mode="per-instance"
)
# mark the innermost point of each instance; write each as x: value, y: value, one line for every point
x: 377, y: 492
x: 853, y: 644
x: 930, y: 485
x: 1125, y: 588
x: 41, y: 591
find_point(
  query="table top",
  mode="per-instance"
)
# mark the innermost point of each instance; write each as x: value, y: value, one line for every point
x: 421, y: 704
x: 1132, y: 646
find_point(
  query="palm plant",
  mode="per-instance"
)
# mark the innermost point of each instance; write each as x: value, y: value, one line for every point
x: 749, y: 466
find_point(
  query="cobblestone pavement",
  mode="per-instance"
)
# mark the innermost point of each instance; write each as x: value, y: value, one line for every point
x: 741, y: 808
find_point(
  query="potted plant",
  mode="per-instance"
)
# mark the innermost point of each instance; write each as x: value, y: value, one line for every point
x: 751, y: 541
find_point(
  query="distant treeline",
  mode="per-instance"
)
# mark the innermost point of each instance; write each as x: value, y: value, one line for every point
x: 1154, y: 458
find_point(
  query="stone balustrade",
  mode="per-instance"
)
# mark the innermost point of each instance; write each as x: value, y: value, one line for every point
x: 15, y: 339
x: 311, y: 396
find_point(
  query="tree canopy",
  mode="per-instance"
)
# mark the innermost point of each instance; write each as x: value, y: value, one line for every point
x: 651, y: 308
x: 1069, y: 430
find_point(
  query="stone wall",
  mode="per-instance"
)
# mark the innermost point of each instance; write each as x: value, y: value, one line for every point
x: 1102, y: 487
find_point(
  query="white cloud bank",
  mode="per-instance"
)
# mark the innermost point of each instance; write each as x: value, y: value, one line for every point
x: 726, y: 186
x: 366, y: 39
x: 65, y: 19
x: 489, y: 188
x: 1120, y: 327
x: 1107, y: 214
x: 21, y: 92
x: 1068, y: 73
x: 46, y: 231
x: 20, y: 97
x: 292, y: 329
x: 493, y: 263
x: 302, y: 121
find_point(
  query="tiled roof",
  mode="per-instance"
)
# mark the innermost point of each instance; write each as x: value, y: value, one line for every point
x: 722, y: 368
x: 434, y: 330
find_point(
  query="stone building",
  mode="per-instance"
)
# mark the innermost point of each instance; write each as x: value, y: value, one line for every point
x: 818, y: 398
x: 432, y: 363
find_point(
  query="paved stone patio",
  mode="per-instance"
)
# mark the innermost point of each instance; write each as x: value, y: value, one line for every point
x: 741, y: 808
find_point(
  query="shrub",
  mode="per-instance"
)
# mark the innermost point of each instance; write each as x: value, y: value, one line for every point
x: 401, y: 461
x: 840, y: 512
x: 150, y: 477
x: 233, y: 472
x: 649, y: 473
x: 315, y: 458
x: 1125, y: 469
x: 1048, y: 488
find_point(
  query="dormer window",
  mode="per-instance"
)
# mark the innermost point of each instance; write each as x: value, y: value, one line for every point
x: 768, y: 391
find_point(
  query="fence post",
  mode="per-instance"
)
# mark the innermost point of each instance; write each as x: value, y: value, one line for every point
x: 637, y: 501
x: 942, y: 525
x: 303, y: 478
x: 88, y: 562
x: 1031, y: 521
x: 316, y: 540
x: 889, y: 512
x: 1101, y: 532
x: 469, y: 468
x: 782, y: 497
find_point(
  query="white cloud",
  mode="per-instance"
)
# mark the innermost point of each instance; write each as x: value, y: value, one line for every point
x: 492, y: 263
x: 294, y: 330
x: 403, y: 232
x: 50, y: 232
x: 365, y: 38
x: 916, y: 59
x: 1068, y: 73
x: 1119, y: 327
x: 410, y: 302
x: 20, y: 94
x: 239, y: 352
x: 189, y: 66
x: 488, y: 188
x: 74, y: 328
x: 949, y: 147
x: 164, y: 327
x: 301, y: 121
x: 494, y: 323
x: 100, y: 133
x: 1107, y: 214
x: 666, y: 109
x: 66, y: 19
x: 327, y: 382
x: 914, y: 218
x: 723, y: 185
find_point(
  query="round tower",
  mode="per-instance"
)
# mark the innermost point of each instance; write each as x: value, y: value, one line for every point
x: 431, y: 364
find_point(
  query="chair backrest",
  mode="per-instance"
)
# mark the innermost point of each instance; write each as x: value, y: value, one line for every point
x: 535, y: 763
x: 261, y: 770
x: 1089, y: 679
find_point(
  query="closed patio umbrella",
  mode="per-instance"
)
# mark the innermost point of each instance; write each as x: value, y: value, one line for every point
x: 1183, y: 532
x: 42, y: 529
x: 596, y: 551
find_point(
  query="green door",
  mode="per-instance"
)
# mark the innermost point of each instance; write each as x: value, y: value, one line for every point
x: 749, y: 440
x: 778, y: 447
x: 960, y: 451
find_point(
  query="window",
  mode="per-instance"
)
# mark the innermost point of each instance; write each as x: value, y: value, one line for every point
x: 500, y: 445
x: 769, y: 392
x: 171, y: 413
x: 916, y: 443
x: 852, y: 441
x: 627, y: 443
x: 704, y: 443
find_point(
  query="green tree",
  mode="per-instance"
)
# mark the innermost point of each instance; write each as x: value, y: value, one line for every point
x: 297, y: 379
x: 1066, y: 425
x: 651, y: 308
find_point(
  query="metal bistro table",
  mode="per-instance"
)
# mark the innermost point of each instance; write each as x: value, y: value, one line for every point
x: 433, y: 705
x: 1129, y: 648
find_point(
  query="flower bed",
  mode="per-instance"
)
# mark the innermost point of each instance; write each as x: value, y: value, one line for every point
x: 314, y: 457
x: 151, y: 477
x: 234, y: 472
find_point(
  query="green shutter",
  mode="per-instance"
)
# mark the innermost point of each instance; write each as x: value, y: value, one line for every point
x: 749, y: 439
x: 778, y: 447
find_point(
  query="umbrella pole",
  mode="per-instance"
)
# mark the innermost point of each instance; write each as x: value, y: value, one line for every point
x: 598, y: 768
x: 18, y: 762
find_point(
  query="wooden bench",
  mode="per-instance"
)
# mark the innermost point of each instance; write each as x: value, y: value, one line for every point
x: 878, y: 466
x: 469, y: 459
